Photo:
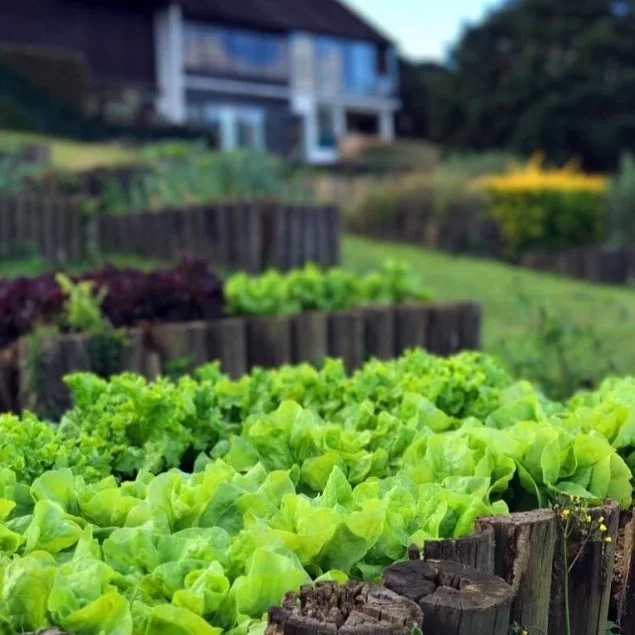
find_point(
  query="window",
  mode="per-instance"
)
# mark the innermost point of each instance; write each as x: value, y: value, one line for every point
x: 235, y: 51
x: 233, y: 127
x: 347, y: 65
x: 327, y: 139
x: 360, y: 67
x: 250, y: 129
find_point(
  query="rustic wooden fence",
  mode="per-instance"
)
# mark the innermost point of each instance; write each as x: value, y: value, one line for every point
x: 463, y: 230
x: 507, y: 578
x: 250, y: 236
x: 54, y: 228
x: 32, y: 376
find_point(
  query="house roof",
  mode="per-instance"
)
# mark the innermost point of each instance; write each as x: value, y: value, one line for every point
x: 317, y: 16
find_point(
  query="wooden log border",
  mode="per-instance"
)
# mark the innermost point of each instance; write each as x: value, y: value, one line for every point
x: 240, y: 343
x: 505, y: 578
x: 251, y: 236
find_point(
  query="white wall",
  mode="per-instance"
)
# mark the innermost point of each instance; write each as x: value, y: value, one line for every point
x: 168, y: 31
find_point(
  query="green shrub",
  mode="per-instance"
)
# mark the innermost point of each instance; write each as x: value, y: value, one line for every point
x: 538, y: 207
x: 620, y: 218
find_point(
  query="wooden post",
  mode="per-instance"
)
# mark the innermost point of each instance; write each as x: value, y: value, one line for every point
x: 469, y: 326
x: 352, y: 608
x: 589, y: 581
x: 183, y: 342
x: 346, y: 338
x: 322, y: 237
x: 133, y: 352
x: 268, y: 341
x: 281, y: 257
x: 335, y: 235
x: 41, y: 368
x: 222, y: 254
x: 295, y: 237
x: 379, y: 331
x: 9, y: 382
x: 455, y: 599
x: 622, y: 609
x: 476, y: 551
x: 309, y: 337
x: 525, y: 545
x: 443, y: 329
x: 227, y: 342
x: 411, y: 326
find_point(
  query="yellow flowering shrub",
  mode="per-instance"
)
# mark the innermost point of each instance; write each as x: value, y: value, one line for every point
x: 540, y: 207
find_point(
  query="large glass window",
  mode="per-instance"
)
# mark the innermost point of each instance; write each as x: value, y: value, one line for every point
x: 348, y: 66
x: 235, y: 51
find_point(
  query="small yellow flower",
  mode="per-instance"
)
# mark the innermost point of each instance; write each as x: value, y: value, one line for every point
x: 608, y: 539
x: 588, y: 519
x: 601, y: 519
x: 566, y: 513
x: 603, y: 528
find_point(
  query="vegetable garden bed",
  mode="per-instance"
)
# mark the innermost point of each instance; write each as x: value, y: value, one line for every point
x: 240, y: 343
x: 193, y: 506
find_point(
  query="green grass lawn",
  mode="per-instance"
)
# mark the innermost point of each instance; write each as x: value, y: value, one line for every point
x: 74, y: 155
x: 506, y: 291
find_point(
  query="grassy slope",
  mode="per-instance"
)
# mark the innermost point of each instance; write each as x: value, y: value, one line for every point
x: 74, y: 155
x: 610, y: 310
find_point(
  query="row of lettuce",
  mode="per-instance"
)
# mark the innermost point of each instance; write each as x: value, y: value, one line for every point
x: 190, y: 507
x: 122, y: 297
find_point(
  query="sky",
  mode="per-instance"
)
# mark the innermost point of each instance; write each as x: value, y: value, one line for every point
x: 422, y: 28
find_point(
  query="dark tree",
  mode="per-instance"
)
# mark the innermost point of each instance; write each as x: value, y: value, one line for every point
x: 554, y: 75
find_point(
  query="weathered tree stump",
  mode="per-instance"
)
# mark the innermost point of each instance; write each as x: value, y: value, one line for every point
x: 455, y: 599
x: 227, y: 343
x: 476, y: 551
x: 622, y: 609
x: 268, y: 341
x: 524, y: 551
x: 379, y: 331
x: 589, y: 587
x: 353, y: 608
x: 346, y: 338
x: 309, y: 337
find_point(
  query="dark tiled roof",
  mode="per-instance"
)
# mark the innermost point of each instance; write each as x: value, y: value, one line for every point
x: 318, y: 16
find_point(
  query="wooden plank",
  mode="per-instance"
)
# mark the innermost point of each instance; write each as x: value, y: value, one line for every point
x: 322, y: 237
x: 379, y: 331
x: 346, y: 338
x: 443, y: 334
x: 411, y: 326
x: 227, y: 343
x: 268, y: 341
x: 309, y: 337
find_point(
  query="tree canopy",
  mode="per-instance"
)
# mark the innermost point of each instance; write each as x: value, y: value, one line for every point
x: 551, y: 75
